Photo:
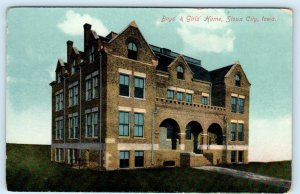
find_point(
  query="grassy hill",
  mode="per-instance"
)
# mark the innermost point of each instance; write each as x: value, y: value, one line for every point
x: 29, y: 169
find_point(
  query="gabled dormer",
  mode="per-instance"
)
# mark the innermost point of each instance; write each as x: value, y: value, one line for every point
x: 180, y: 70
x: 73, y: 57
x: 92, y: 43
x: 132, y: 45
x: 236, y: 77
x: 59, y: 71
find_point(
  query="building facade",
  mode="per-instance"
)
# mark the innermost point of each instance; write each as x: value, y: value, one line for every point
x: 123, y: 103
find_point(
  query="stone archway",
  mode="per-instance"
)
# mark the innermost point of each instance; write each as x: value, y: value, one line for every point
x: 193, y: 133
x: 215, y: 134
x: 168, y: 135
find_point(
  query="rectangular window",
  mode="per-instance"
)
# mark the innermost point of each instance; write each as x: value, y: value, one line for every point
x: 139, y: 87
x: 233, y: 132
x: 170, y: 94
x: 59, y: 154
x: 233, y: 156
x: 124, y: 159
x: 240, y: 156
x: 179, y: 96
x: 138, y: 124
x: 71, y: 128
x: 88, y: 89
x: 241, y: 132
x: 95, y: 124
x: 76, y: 130
x: 88, y: 125
x: 61, y: 101
x: 75, y: 101
x: 139, y: 158
x: 92, y: 54
x: 71, y: 97
x: 59, y: 130
x: 57, y: 102
x: 73, y: 66
x: 58, y: 78
x: 124, y: 85
x: 241, y: 105
x: 233, y: 104
x: 204, y: 100
x: 123, y: 123
x: 95, y: 87
x: 188, y: 98
x: 72, y: 156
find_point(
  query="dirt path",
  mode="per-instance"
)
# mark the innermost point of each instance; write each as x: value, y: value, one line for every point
x: 248, y: 175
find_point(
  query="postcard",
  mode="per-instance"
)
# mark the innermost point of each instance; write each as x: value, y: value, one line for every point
x: 110, y: 99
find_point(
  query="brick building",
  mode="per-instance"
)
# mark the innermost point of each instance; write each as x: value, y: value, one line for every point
x: 123, y: 103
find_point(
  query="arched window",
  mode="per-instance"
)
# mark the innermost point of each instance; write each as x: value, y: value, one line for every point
x: 237, y: 80
x: 132, y: 51
x: 180, y: 72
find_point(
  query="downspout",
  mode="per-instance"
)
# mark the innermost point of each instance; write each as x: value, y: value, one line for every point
x: 226, y: 139
x: 64, y: 117
x: 100, y: 111
x: 80, y: 127
x: 152, y: 134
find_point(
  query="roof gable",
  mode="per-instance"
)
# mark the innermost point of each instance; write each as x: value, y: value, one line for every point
x: 60, y: 64
x: 134, y: 25
x: 180, y: 59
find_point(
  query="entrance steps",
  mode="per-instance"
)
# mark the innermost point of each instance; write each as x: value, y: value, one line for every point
x: 190, y: 159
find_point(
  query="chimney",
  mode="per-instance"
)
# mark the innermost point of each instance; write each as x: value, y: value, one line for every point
x: 87, y: 31
x: 69, y: 50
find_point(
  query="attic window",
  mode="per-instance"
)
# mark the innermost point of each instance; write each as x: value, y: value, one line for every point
x: 58, y: 79
x: 238, y: 80
x: 92, y: 54
x: 132, y: 51
x: 180, y: 72
x: 73, y: 66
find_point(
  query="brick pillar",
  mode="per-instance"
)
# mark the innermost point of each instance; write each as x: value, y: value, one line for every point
x: 205, y: 136
x: 181, y: 141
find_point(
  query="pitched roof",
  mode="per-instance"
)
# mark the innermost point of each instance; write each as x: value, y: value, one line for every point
x: 218, y: 75
x: 166, y: 58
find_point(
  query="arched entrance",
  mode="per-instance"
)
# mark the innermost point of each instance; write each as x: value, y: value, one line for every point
x: 193, y: 132
x: 169, y: 130
x: 215, y: 134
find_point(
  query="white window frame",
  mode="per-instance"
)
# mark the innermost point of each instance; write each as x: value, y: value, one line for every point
x: 94, y: 126
x: 59, y: 129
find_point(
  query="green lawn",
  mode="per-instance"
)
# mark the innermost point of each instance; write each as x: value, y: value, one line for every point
x: 29, y: 169
x: 273, y: 169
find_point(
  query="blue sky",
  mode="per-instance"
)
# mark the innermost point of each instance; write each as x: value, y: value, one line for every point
x: 36, y: 38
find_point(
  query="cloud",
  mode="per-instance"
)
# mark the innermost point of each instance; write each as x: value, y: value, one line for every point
x: 202, y: 36
x: 73, y: 24
x: 270, y: 139
x: 31, y: 126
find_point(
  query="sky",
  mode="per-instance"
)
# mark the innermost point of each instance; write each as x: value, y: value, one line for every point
x: 36, y: 38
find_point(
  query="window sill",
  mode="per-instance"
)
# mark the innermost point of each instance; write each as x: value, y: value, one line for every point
x: 73, y: 138
x: 124, y: 137
x: 135, y: 137
x: 139, y: 98
x: 139, y: 167
x: 91, y: 137
x: 124, y: 96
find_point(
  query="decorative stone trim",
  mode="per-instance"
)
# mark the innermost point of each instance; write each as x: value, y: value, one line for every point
x: 138, y: 74
x: 124, y: 108
x: 125, y: 71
